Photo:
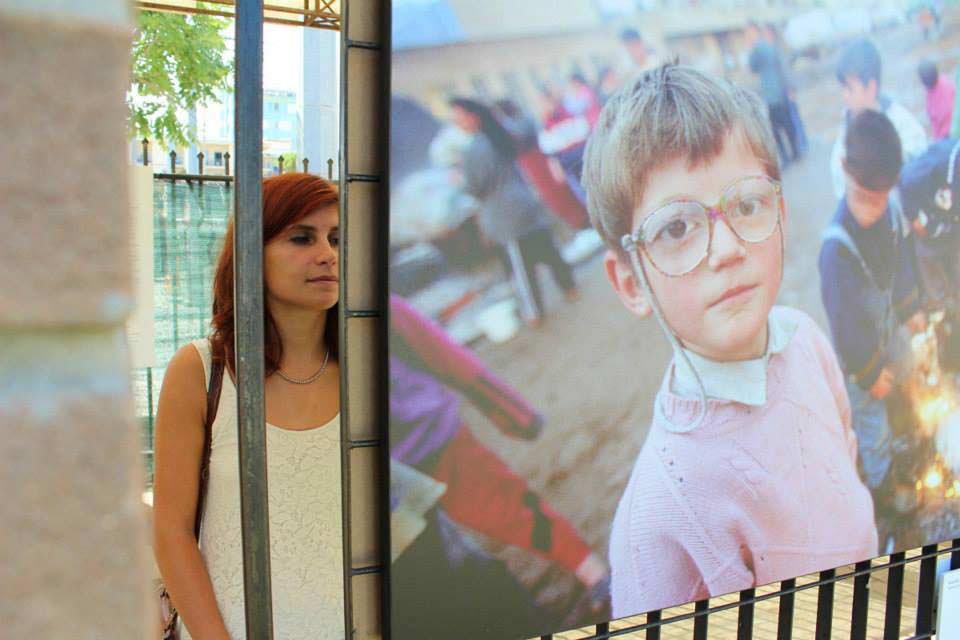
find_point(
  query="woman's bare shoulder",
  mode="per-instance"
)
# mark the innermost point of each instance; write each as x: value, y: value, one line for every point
x: 184, y: 383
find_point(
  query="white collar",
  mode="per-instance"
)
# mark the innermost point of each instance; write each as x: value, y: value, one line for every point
x: 743, y: 381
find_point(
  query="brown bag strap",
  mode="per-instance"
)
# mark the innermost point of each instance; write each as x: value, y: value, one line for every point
x: 213, y: 401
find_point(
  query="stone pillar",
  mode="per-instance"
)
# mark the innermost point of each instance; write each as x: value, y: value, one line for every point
x: 74, y: 550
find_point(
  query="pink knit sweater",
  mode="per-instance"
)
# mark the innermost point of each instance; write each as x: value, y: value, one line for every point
x: 754, y: 495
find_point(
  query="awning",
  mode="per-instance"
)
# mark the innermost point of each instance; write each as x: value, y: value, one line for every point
x: 320, y: 14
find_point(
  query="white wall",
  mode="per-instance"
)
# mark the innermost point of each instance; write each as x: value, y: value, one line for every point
x: 319, y: 99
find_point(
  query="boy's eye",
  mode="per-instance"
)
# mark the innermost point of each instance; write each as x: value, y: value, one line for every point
x: 677, y: 227
x: 748, y: 206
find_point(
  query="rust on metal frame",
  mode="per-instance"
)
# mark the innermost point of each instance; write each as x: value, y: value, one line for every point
x: 318, y: 14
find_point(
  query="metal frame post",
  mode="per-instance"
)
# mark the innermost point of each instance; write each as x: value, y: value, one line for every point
x: 344, y: 329
x: 248, y: 293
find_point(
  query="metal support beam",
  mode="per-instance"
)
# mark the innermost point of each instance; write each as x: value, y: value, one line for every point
x: 317, y: 14
x: 248, y: 295
x: 344, y: 312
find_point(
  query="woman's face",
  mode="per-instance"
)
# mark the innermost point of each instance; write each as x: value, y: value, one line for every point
x: 300, y: 268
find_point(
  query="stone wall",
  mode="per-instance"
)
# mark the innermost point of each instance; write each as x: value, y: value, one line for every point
x: 73, y: 539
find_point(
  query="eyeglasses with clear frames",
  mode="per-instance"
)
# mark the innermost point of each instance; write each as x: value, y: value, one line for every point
x: 676, y: 237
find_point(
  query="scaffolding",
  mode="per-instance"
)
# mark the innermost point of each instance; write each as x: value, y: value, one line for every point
x: 318, y: 14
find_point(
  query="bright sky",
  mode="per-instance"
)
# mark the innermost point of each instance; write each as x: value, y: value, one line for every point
x: 282, y: 46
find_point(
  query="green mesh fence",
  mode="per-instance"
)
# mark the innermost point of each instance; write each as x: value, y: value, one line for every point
x: 189, y: 221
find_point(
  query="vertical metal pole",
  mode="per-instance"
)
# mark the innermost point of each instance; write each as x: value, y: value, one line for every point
x: 248, y: 294
x: 344, y: 330
x: 925, y: 590
x: 825, y: 605
x: 785, y: 615
x: 149, y: 444
x: 383, y: 250
x: 654, y: 617
x: 891, y: 624
x: 701, y: 622
x: 745, y: 615
x: 861, y: 603
x: 150, y: 402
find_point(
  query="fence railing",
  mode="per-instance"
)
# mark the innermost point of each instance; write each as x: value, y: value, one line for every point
x: 201, y: 175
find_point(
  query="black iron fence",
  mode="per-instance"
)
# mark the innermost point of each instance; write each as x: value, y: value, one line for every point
x: 225, y: 158
x: 891, y: 597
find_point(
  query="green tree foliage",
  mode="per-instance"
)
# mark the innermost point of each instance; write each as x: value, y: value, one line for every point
x: 290, y: 162
x: 178, y: 64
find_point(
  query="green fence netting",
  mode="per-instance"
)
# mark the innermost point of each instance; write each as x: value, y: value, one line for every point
x: 189, y: 221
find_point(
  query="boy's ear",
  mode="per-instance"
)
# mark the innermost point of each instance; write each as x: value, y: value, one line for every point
x: 624, y: 282
x: 846, y: 169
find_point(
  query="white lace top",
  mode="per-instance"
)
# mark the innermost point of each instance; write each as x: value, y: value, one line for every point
x: 306, y: 550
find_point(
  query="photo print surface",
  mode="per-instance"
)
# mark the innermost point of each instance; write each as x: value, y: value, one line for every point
x: 673, y: 302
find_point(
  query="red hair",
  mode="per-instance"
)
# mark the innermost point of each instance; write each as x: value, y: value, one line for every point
x: 287, y: 199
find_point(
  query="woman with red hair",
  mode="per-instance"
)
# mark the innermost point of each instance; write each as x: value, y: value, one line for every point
x: 301, y: 393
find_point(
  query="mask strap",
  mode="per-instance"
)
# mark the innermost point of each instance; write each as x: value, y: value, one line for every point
x: 641, y: 275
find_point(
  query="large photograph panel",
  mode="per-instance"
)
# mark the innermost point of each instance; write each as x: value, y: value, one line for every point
x: 605, y: 213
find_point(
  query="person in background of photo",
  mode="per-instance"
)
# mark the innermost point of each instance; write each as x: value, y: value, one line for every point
x: 428, y: 375
x: 302, y: 402
x: 941, y: 95
x: 509, y: 212
x: 563, y: 137
x: 859, y: 71
x: 955, y: 119
x: 748, y: 472
x: 871, y: 296
x: 930, y: 193
x: 765, y: 62
x: 608, y: 79
x: 639, y: 54
x: 581, y: 100
x: 544, y: 174
x: 772, y: 35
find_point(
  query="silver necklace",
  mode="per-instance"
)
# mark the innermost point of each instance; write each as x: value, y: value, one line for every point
x: 326, y: 357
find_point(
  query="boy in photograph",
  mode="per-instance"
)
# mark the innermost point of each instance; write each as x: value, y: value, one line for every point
x: 859, y: 72
x: 930, y: 192
x: 941, y: 94
x: 870, y: 292
x: 765, y: 61
x: 748, y: 473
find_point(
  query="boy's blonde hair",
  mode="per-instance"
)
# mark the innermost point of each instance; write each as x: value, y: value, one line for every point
x: 668, y: 113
